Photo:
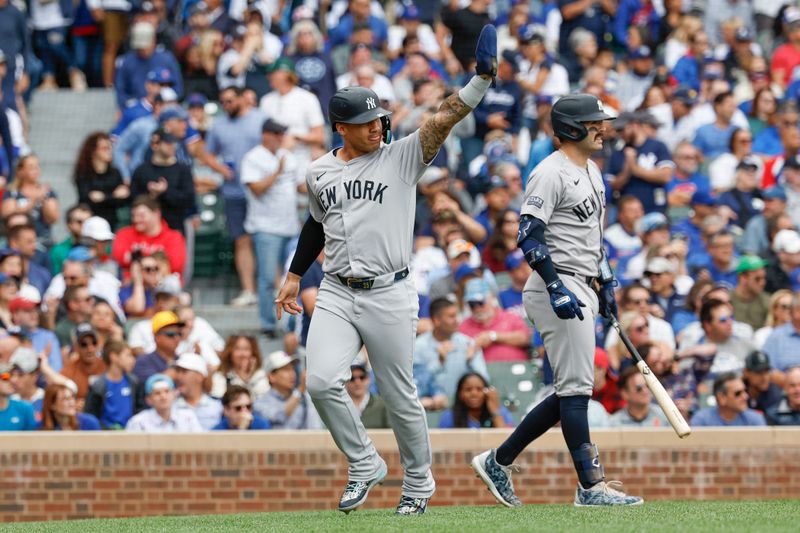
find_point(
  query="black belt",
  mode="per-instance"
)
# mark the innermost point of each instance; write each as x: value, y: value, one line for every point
x: 365, y: 284
x: 588, y: 279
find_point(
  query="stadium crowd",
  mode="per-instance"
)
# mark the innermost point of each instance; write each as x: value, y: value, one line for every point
x: 702, y: 172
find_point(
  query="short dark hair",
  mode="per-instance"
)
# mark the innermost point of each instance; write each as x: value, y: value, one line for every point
x: 147, y: 201
x: 233, y: 392
x: 627, y: 199
x: 112, y: 346
x: 439, y: 305
x: 625, y: 293
x: 721, y: 233
x: 236, y: 90
x: 721, y: 383
x: 707, y: 309
x: 78, y: 207
x: 721, y: 97
x: 14, y: 232
x: 626, y: 375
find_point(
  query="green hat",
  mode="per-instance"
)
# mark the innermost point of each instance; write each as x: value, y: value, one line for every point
x: 282, y: 63
x: 748, y: 263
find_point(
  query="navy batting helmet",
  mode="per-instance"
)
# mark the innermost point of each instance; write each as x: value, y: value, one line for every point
x: 357, y: 105
x: 571, y: 111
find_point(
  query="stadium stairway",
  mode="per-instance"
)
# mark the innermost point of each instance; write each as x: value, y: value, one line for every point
x: 59, y: 121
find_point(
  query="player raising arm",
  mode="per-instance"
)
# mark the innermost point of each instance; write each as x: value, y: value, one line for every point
x: 361, y: 201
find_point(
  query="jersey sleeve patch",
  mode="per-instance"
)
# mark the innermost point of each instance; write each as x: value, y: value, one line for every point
x: 535, y: 201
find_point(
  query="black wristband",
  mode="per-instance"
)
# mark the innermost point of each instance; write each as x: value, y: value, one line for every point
x: 309, y: 245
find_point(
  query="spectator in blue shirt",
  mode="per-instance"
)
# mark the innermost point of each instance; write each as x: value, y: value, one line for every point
x: 686, y: 178
x: 153, y: 83
x: 731, y: 409
x: 722, y: 259
x: 312, y: 63
x: 787, y: 412
x: 445, y: 354
x: 358, y: 14
x: 635, y: 13
x: 769, y: 141
x: 145, y: 56
x: 237, y: 411
x: 60, y: 412
x: 15, y: 415
x: 642, y: 166
x: 115, y: 396
x: 745, y: 198
x: 714, y: 139
x: 689, y: 68
x: 783, y: 344
x: 167, y: 334
x: 518, y: 270
x: 476, y: 406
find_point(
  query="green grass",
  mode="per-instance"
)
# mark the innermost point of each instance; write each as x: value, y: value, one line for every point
x: 701, y: 517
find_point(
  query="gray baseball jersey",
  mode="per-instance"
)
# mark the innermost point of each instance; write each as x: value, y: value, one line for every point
x: 366, y: 207
x: 571, y: 201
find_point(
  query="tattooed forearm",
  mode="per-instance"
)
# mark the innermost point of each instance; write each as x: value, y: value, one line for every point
x: 436, y: 129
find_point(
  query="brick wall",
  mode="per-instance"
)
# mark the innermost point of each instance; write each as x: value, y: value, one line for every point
x: 61, y: 476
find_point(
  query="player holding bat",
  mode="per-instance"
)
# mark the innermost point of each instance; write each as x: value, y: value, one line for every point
x: 561, y: 235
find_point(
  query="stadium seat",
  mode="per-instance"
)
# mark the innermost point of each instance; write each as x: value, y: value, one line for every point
x: 517, y: 384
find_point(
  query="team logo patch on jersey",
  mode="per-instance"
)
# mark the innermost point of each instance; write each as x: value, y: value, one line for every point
x: 535, y: 201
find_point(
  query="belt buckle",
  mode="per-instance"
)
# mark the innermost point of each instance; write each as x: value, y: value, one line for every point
x: 360, y: 284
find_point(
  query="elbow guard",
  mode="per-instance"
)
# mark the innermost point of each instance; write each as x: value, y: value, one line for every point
x: 530, y: 239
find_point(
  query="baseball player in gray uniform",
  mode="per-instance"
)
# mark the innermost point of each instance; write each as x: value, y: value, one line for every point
x: 362, y: 203
x: 561, y: 235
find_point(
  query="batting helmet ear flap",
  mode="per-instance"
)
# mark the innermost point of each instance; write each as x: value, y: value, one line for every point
x: 386, y: 124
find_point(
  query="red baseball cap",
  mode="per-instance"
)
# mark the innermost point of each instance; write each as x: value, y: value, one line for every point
x: 20, y: 302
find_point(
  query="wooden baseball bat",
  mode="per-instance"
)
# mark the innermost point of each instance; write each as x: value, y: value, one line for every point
x: 664, y: 401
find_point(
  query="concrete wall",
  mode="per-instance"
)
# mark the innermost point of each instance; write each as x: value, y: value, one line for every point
x: 47, y: 476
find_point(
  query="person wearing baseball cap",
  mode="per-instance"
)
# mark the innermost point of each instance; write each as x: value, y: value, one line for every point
x: 750, y: 302
x: 373, y: 411
x: 166, y: 177
x: 518, y: 270
x: 662, y: 273
x: 762, y: 393
x: 756, y: 237
x: 286, y: 405
x: 786, y: 246
x: 85, y: 361
x: 653, y: 229
x: 744, y: 198
x: 15, y: 415
x: 24, y: 309
x: 167, y: 332
x: 24, y: 376
x: 268, y: 174
x: 191, y: 371
x: 96, y: 235
x: 163, y: 416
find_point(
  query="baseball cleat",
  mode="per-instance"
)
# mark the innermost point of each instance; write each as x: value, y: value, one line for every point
x: 497, y: 477
x: 409, y: 506
x: 603, y: 494
x: 356, y: 492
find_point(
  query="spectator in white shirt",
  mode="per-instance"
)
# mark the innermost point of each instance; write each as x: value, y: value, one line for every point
x: 163, y: 416
x: 298, y: 110
x: 190, y: 373
x: 272, y: 179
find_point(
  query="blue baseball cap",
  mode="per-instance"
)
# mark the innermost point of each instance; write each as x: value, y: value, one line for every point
x: 158, y: 381
x: 196, y: 100
x: 514, y: 259
x: 463, y: 271
x: 640, y: 52
x: 651, y: 222
x: 702, y: 197
x: 80, y: 254
x: 6, y: 252
x: 171, y: 113
x: 774, y: 193
x: 410, y: 12
x: 496, y: 182
x: 161, y: 75
x: 686, y: 95
x: 477, y: 290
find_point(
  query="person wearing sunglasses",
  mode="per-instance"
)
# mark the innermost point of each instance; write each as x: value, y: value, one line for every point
x: 237, y: 411
x: 191, y: 371
x: 84, y: 361
x: 716, y: 319
x: 639, y: 410
x: 163, y: 416
x: 373, y: 411
x: 731, y: 409
x: 502, y: 335
x: 167, y: 328
x: 15, y: 415
x: 750, y: 302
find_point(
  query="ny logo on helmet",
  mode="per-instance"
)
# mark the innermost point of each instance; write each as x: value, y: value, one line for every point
x: 371, y: 103
x: 600, y: 106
